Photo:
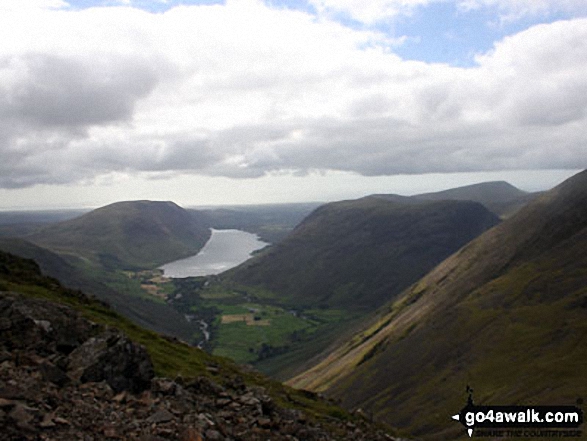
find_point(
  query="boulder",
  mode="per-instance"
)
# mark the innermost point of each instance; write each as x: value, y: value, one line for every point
x: 113, y: 358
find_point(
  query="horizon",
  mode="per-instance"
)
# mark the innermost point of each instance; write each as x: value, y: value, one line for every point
x: 553, y: 180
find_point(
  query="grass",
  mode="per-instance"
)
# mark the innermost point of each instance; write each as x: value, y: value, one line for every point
x: 252, y: 325
x: 243, y: 342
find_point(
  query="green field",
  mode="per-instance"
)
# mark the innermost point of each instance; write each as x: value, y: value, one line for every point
x: 251, y: 326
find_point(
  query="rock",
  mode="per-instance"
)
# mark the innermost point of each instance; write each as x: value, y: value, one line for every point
x: 62, y: 421
x: 120, y: 398
x: 111, y: 432
x: 47, y: 421
x: 4, y: 403
x: 114, y: 396
x: 21, y: 416
x: 191, y: 434
x: 113, y: 358
x: 213, y: 435
x: 53, y: 374
x: 264, y: 422
x: 163, y: 386
x: 161, y: 416
x: 40, y: 324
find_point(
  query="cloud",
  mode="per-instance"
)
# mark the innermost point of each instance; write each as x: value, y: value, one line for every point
x: 243, y: 90
x: 49, y: 90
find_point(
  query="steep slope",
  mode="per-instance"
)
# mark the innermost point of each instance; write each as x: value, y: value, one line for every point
x: 507, y: 314
x: 156, y: 316
x: 136, y: 234
x: 71, y: 368
x: 358, y: 254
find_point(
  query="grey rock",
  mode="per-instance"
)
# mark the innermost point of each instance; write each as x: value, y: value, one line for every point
x: 113, y: 358
x: 161, y: 416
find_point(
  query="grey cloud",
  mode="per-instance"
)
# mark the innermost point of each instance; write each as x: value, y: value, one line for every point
x: 54, y: 91
x: 70, y: 119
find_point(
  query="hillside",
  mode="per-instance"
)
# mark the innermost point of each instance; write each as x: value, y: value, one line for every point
x: 157, y: 316
x: 128, y: 235
x: 71, y: 368
x: 358, y: 254
x: 499, y: 197
x: 507, y: 315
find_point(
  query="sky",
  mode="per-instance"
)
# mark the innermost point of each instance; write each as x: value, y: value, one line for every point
x: 262, y: 101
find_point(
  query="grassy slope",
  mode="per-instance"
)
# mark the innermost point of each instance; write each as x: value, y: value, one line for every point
x: 137, y: 234
x: 359, y: 254
x: 507, y: 314
x: 142, y: 310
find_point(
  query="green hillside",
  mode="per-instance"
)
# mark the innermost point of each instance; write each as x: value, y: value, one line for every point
x: 140, y: 308
x: 129, y: 235
x: 507, y: 314
x: 358, y: 254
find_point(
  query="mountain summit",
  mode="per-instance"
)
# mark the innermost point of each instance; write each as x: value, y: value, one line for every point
x: 134, y: 234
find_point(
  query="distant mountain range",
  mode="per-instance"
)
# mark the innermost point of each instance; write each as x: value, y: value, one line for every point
x: 500, y: 197
x: 271, y: 222
x: 506, y: 314
x: 130, y: 235
x: 359, y: 254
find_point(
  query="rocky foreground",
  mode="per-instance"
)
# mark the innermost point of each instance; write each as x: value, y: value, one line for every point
x: 63, y: 377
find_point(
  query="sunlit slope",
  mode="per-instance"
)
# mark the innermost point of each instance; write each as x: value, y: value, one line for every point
x: 507, y: 314
x: 135, y: 234
x: 358, y: 254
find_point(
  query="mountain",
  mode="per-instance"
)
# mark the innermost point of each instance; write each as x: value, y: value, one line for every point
x: 506, y: 314
x: 358, y: 254
x: 129, y: 235
x: 71, y: 368
x: 499, y: 197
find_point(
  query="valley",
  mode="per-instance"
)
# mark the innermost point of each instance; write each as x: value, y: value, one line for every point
x: 377, y: 303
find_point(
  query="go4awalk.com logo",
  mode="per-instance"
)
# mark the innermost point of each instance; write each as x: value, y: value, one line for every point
x: 522, y: 421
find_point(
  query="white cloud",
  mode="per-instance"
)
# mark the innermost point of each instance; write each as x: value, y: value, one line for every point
x: 242, y: 90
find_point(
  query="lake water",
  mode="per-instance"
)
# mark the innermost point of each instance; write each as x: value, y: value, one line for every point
x: 225, y: 249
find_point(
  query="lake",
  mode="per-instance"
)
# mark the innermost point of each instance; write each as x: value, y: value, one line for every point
x: 224, y: 250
